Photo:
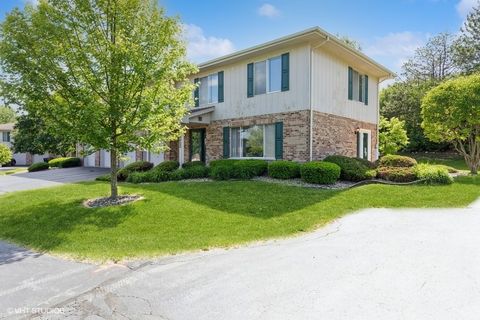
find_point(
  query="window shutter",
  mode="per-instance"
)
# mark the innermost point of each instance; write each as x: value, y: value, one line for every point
x: 249, y: 80
x: 350, y: 83
x: 220, y: 86
x: 196, y: 93
x: 366, y: 90
x: 360, y: 88
x: 226, y: 142
x: 285, y: 72
x: 279, y: 140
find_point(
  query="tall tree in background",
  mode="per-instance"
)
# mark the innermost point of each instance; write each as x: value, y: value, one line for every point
x: 7, y: 115
x: 350, y: 41
x: 111, y: 73
x: 435, y: 61
x: 468, y: 44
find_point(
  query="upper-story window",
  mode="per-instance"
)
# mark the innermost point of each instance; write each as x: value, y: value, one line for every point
x: 210, y: 89
x: 270, y: 75
x: 6, y: 136
x: 357, y: 86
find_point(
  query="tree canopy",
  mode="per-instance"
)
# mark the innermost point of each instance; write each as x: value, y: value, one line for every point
x: 392, y: 135
x: 111, y: 73
x: 7, y: 115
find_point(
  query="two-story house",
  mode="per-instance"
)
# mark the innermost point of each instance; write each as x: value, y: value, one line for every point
x: 6, y: 138
x: 301, y: 97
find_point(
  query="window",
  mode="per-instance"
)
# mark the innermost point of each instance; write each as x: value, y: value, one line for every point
x: 357, y: 86
x: 268, y: 75
x: 208, y: 90
x: 6, y: 136
x: 253, y: 142
x: 363, y: 144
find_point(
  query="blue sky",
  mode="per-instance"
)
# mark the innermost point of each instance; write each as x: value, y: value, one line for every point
x: 389, y: 31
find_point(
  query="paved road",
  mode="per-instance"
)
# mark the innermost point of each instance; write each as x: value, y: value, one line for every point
x: 375, y: 264
x: 47, y: 178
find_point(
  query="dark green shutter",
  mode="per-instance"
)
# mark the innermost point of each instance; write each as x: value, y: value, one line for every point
x: 220, y: 86
x: 366, y: 90
x: 285, y: 72
x: 226, y: 142
x: 360, y: 88
x: 350, y: 83
x: 279, y: 140
x: 250, y: 80
x: 358, y: 145
x: 196, y: 93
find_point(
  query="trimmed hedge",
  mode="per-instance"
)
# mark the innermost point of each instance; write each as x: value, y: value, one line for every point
x: 320, y: 172
x: 158, y: 175
x: 237, y: 169
x: 283, y: 169
x: 397, y: 174
x: 38, y: 166
x: 353, y: 169
x: 432, y: 174
x: 392, y: 160
x: 167, y: 166
x: 137, y: 166
x: 103, y: 177
x: 65, y: 162
x: 187, y: 165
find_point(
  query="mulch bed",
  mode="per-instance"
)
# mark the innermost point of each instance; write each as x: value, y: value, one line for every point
x: 108, y: 202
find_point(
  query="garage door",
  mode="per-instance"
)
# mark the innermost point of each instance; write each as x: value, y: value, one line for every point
x: 104, y: 159
x: 20, y: 158
x: 89, y: 161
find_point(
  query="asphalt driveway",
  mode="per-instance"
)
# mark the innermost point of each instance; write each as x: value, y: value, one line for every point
x: 47, y: 178
x: 375, y: 264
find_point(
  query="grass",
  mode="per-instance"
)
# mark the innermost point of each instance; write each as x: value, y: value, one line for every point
x: 181, y: 216
x: 447, y: 159
x: 12, y: 171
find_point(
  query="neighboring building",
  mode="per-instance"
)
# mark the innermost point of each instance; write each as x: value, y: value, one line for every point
x: 301, y: 97
x: 21, y: 159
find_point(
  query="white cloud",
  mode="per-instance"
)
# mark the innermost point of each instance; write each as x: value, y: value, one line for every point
x: 465, y: 6
x: 201, y: 47
x: 32, y: 2
x: 394, y: 49
x: 268, y: 10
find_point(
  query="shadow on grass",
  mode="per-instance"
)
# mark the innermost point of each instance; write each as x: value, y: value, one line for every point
x: 255, y: 199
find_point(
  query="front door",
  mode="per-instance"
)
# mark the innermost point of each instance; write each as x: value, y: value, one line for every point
x: 197, y: 145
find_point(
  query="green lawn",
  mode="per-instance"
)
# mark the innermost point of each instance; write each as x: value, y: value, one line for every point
x: 180, y: 216
x: 12, y: 171
x: 447, y: 159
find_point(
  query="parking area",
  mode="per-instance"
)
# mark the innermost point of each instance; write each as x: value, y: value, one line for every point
x: 48, y: 178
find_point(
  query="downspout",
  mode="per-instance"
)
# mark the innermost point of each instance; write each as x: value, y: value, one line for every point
x: 311, y: 96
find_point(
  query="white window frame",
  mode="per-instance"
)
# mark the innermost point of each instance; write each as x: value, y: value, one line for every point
x: 241, y: 142
x: 6, y: 136
x: 369, y: 150
x: 356, y: 89
x: 267, y: 76
x: 209, y: 101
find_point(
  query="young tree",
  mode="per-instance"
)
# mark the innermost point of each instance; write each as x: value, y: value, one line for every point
x: 392, y: 135
x: 31, y: 135
x: 7, y: 115
x: 451, y: 112
x: 467, y: 46
x: 111, y: 73
x: 5, y: 154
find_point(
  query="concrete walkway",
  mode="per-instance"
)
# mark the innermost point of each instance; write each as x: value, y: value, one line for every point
x: 47, y: 178
x: 375, y: 264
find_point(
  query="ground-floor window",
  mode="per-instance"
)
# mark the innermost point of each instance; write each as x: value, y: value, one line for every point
x: 197, y: 145
x: 256, y: 141
x: 363, y: 144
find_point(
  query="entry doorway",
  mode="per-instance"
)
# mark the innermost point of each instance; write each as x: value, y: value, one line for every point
x: 363, y: 144
x: 197, y: 145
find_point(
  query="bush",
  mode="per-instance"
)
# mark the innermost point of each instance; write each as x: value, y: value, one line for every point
x: 5, y: 154
x: 137, y: 166
x: 283, y: 169
x: 432, y: 174
x: 65, y: 162
x: 221, y: 162
x: 39, y: 166
x: 320, y: 172
x: 103, y: 177
x: 353, y: 169
x: 167, y: 166
x: 149, y: 176
x: 397, y: 161
x: 190, y: 164
x: 237, y: 169
x: 222, y: 172
x: 196, y: 172
x: 397, y: 174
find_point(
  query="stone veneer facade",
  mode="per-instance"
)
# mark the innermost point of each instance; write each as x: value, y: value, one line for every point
x: 331, y: 135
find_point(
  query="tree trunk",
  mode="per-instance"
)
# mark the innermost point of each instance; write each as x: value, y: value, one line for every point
x: 113, y: 172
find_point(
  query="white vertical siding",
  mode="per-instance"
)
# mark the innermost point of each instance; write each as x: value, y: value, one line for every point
x: 237, y: 104
x: 330, y: 89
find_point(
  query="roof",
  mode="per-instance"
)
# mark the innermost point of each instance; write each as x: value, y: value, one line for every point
x: 6, y: 126
x: 316, y: 37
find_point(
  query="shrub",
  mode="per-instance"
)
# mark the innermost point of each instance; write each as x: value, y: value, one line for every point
x: 397, y: 161
x: 221, y: 162
x: 432, y: 174
x: 353, y: 169
x: 237, y: 169
x: 222, y: 172
x: 397, y: 174
x: 167, y: 166
x: 149, y: 176
x: 320, y: 172
x: 5, y: 154
x: 103, y: 177
x: 137, y: 166
x: 283, y: 169
x: 196, y: 172
x: 38, y: 167
x: 190, y: 164
x: 65, y: 162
